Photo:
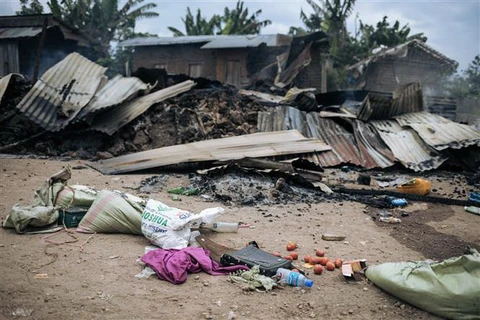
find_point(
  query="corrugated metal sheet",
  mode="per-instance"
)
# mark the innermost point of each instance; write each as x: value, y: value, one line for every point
x: 402, y: 51
x: 5, y: 81
x: 373, y: 151
x: 285, y: 77
x: 157, y: 41
x: 380, y: 106
x: 213, y: 41
x: 256, y: 145
x: 443, y: 106
x: 116, y: 91
x: 344, y: 149
x: 243, y: 41
x: 364, y: 149
x: 62, y: 91
x: 439, y: 132
x: 407, y: 146
x: 112, y: 120
x: 14, y: 33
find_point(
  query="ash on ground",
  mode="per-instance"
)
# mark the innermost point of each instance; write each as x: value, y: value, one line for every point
x: 250, y: 189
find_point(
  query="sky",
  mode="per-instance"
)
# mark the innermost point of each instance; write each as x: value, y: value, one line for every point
x: 452, y: 27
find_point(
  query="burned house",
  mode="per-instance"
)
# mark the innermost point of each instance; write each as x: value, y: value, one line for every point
x: 391, y: 68
x: 239, y: 60
x: 410, y: 62
x: 31, y: 44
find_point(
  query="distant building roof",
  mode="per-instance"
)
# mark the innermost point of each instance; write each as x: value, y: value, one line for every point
x: 27, y: 26
x: 402, y: 51
x: 213, y: 41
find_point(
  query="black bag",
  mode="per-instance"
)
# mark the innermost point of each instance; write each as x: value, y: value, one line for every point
x: 251, y: 255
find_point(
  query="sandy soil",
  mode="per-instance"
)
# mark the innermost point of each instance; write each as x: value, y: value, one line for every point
x: 99, y: 282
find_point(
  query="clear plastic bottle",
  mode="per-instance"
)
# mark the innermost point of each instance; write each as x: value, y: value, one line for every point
x: 292, y: 278
x: 222, y: 226
x: 472, y: 209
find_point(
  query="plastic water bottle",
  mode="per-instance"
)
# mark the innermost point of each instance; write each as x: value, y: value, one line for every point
x: 472, y: 209
x: 396, y: 202
x: 292, y: 278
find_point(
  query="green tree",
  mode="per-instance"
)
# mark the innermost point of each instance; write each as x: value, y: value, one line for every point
x: 466, y: 84
x: 386, y: 35
x: 237, y: 21
x: 35, y: 7
x: 102, y: 20
x: 198, y: 25
x: 312, y: 23
x: 333, y: 15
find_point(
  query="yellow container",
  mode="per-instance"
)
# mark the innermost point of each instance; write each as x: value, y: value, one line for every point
x: 417, y: 186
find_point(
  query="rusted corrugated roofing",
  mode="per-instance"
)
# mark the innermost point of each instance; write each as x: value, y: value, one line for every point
x: 364, y: 149
x: 257, y: 145
x: 373, y: 151
x: 62, y: 91
x: 439, y: 132
x: 407, y: 146
x: 380, y: 106
x: 117, y: 90
x: 112, y: 120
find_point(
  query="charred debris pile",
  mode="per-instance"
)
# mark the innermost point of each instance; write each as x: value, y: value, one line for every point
x: 72, y: 113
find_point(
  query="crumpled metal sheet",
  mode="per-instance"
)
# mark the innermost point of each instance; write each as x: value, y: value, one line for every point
x: 117, y: 90
x: 407, y: 146
x: 380, y: 106
x: 439, y: 132
x: 365, y: 148
x: 62, y: 91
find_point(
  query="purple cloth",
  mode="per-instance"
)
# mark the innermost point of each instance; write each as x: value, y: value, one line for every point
x: 172, y: 265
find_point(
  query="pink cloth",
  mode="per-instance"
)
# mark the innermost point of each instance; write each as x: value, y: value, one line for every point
x: 172, y: 265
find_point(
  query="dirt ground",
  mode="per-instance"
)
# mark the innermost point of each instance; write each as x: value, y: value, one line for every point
x: 99, y: 281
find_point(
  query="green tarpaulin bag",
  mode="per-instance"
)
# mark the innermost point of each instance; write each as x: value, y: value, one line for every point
x: 450, y: 288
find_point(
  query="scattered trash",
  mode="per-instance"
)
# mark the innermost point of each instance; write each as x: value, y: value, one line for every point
x: 252, y: 279
x: 252, y: 255
x: 41, y: 276
x: 22, y: 312
x: 169, y: 227
x: 185, y: 191
x: 292, y: 278
x: 332, y: 237
x: 172, y: 265
x: 396, y: 202
x: 472, y: 209
x: 113, y: 257
x: 416, y: 186
x: 383, y: 213
x: 221, y: 226
x: 353, y: 269
x: 434, y: 287
x: 390, y: 220
x: 474, y: 196
x: 364, y: 179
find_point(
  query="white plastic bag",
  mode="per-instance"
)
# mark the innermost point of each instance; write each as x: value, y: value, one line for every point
x: 168, y: 227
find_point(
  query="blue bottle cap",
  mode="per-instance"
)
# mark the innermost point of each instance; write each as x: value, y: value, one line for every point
x: 308, y: 283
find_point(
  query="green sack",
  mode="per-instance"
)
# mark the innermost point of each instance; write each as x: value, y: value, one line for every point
x: 450, y: 288
x: 113, y: 212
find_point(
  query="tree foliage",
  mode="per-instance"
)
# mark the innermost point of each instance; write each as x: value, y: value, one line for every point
x: 35, y: 7
x: 198, y: 25
x: 466, y: 84
x: 233, y: 21
x: 102, y: 20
